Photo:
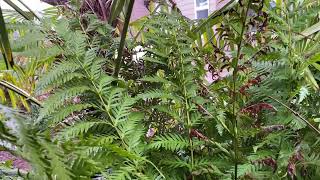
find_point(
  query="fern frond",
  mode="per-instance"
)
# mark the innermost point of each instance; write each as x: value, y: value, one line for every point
x: 303, y: 93
x: 96, y: 69
x: 176, y: 163
x: 121, y: 112
x: 168, y: 110
x: 60, y: 70
x: 205, y: 166
x: 89, y: 57
x: 60, y: 169
x: 79, y: 129
x: 131, y: 131
x: 59, y: 99
x: 123, y: 173
x: 104, y: 85
x: 152, y: 94
x: 66, y: 111
x: 172, y: 142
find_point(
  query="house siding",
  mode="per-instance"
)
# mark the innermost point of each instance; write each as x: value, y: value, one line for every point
x: 221, y: 3
x: 212, y: 5
x: 139, y: 10
x: 186, y: 6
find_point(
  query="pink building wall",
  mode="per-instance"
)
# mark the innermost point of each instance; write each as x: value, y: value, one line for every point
x: 186, y: 6
x: 139, y: 10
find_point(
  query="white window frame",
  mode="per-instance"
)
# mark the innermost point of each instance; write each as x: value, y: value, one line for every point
x: 200, y: 8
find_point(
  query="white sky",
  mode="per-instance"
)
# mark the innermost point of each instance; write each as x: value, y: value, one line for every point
x: 33, y: 4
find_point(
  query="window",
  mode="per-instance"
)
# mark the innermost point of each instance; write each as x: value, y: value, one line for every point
x: 201, y: 3
x: 202, y: 14
x: 201, y: 9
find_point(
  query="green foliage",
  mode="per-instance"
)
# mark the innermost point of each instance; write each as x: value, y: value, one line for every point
x: 115, y: 115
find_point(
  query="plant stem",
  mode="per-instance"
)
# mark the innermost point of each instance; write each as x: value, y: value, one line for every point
x: 30, y: 10
x: 186, y: 105
x: 19, y: 91
x: 19, y: 10
x: 297, y: 115
x: 123, y: 39
x: 234, y: 96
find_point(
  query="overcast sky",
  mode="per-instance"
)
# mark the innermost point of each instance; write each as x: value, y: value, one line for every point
x: 33, y: 4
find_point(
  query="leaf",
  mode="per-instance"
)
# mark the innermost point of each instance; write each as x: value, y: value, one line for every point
x: 116, y: 8
x: 317, y: 120
x: 309, y: 31
x: 79, y: 129
x: 171, y: 142
x: 303, y: 93
x: 19, y: 91
x: 310, y: 79
x: 123, y: 38
x: 5, y: 44
x: 19, y: 10
x: 221, y: 117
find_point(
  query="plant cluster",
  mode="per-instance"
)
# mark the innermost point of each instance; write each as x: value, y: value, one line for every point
x: 234, y: 96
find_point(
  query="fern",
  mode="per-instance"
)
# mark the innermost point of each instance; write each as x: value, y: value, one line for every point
x: 65, y: 112
x: 58, y: 99
x: 57, y: 73
x: 94, y: 125
x: 172, y: 142
x: 79, y: 129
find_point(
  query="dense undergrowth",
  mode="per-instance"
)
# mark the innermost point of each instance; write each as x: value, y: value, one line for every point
x: 234, y: 96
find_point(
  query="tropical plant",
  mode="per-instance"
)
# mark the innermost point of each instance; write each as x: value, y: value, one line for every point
x: 221, y: 98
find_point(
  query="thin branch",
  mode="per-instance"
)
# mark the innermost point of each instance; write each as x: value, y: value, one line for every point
x: 234, y: 96
x: 19, y: 10
x: 123, y: 38
x: 20, y: 92
x: 296, y: 114
x: 30, y: 10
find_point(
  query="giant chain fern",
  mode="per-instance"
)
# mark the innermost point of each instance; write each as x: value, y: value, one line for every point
x: 254, y: 124
x: 83, y: 89
x: 176, y: 94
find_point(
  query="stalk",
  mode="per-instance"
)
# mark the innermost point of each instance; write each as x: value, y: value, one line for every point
x: 123, y: 38
x: 29, y: 9
x: 234, y: 96
x: 297, y: 115
x: 186, y: 106
x: 20, y: 91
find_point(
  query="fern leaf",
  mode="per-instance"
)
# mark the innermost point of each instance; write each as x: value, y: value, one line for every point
x: 60, y: 169
x: 172, y: 142
x: 89, y: 57
x: 56, y: 73
x: 104, y: 84
x: 96, y: 69
x: 176, y: 163
x: 121, y: 112
x: 113, y: 97
x: 303, y: 93
x: 152, y: 94
x: 58, y: 99
x: 80, y: 129
x: 66, y: 111
x: 122, y: 174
